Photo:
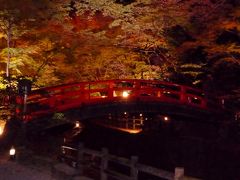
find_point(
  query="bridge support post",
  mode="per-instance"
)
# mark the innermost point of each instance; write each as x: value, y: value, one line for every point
x: 104, y: 164
x: 179, y: 173
x: 80, y: 158
x: 134, y: 170
x: 24, y: 133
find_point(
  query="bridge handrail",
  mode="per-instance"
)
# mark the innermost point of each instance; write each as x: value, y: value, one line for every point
x: 68, y: 96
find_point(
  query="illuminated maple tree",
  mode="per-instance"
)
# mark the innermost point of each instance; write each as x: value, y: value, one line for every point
x: 175, y: 40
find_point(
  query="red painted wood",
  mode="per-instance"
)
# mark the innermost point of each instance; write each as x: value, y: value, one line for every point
x: 64, y: 97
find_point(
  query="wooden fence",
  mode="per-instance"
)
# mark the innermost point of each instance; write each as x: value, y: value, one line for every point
x: 102, y: 160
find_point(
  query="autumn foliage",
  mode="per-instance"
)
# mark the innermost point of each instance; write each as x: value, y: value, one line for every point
x: 190, y: 42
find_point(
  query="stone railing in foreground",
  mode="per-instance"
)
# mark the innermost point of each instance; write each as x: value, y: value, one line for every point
x: 101, y: 163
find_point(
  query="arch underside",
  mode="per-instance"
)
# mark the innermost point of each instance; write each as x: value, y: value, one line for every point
x: 98, y: 110
x: 94, y: 113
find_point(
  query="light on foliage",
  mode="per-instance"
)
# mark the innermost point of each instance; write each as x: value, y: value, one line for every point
x: 2, y: 126
x: 1, y: 131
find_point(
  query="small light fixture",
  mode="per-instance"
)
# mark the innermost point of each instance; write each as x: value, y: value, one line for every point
x: 125, y: 94
x: 12, y: 153
x: 140, y: 114
x: 77, y: 124
x: 165, y: 118
x: 125, y: 113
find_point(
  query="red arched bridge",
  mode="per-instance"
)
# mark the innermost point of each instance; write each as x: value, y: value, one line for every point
x: 101, y: 97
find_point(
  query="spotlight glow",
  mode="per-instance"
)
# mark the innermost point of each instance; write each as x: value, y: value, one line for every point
x: 166, y: 118
x: 12, y: 151
x: 125, y: 94
x: 77, y: 124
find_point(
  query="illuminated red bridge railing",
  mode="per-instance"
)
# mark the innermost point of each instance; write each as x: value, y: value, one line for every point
x: 64, y: 97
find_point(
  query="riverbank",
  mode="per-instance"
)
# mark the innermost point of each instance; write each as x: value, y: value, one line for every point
x: 20, y: 169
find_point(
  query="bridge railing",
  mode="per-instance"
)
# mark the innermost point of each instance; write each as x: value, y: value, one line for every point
x: 64, y: 97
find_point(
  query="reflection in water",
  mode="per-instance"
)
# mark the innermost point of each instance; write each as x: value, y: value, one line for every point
x: 162, y: 141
